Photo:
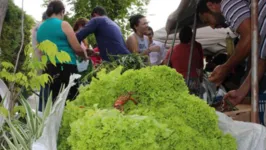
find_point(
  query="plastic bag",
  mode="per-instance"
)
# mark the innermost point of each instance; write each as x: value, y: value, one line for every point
x: 5, y: 95
x: 83, y: 65
x: 48, y: 140
x: 249, y: 136
x: 209, y: 92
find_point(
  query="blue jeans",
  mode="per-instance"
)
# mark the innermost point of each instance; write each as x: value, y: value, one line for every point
x: 44, y: 94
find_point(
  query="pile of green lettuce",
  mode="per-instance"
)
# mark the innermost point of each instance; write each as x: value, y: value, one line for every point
x: 166, y: 117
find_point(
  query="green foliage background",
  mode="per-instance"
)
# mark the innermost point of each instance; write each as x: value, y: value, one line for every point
x: 10, y: 39
x: 117, y: 10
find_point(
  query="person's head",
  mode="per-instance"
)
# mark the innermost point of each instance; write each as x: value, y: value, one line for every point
x: 98, y: 11
x: 150, y: 33
x: 56, y: 8
x: 139, y: 23
x: 44, y: 16
x: 210, y: 13
x: 185, y: 35
x: 79, y: 24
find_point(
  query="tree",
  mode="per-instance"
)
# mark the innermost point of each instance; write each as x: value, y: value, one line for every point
x: 118, y: 10
x: 10, y: 39
x: 46, y: 2
x: 3, y: 9
x: 13, y: 40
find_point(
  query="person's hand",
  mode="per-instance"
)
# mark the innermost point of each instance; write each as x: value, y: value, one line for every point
x: 235, y: 97
x: 154, y: 48
x: 218, y: 75
x: 96, y: 54
x: 89, y: 52
x: 85, y: 56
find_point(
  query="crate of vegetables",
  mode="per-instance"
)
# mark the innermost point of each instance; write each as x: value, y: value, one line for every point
x: 243, y: 113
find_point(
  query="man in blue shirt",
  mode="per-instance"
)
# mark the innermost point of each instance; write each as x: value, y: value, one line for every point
x: 108, y: 34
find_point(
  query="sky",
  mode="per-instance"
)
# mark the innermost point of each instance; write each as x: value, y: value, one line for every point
x: 157, y: 12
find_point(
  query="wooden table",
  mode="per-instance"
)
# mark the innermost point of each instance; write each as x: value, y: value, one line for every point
x: 242, y: 114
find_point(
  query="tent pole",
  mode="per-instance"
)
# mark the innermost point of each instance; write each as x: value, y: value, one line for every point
x: 173, y: 44
x: 192, y: 47
x: 165, y: 42
x: 254, y: 62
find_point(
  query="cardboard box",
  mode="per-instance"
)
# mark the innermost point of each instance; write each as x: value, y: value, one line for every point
x: 242, y: 114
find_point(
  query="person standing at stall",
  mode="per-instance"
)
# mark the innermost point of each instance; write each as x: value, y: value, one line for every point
x: 138, y: 42
x: 156, y: 58
x: 62, y: 35
x: 82, y: 64
x: 180, y: 59
x: 108, y: 34
x: 236, y: 14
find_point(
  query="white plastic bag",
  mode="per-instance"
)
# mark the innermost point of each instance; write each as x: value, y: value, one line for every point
x: 5, y: 95
x: 48, y: 140
x: 82, y: 66
x: 249, y: 136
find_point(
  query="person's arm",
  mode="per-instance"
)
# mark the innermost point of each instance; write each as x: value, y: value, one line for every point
x: 240, y: 22
x: 242, y: 51
x: 154, y: 48
x: 245, y: 87
x: 237, y: 96
x: 132, y: 45
x: 243, y: 47
x: 88, y: 29
x: 72, y: 39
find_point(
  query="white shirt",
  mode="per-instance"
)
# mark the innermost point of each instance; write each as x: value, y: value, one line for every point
x: 156, y: 58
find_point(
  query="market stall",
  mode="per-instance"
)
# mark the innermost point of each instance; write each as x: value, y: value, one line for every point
x: 212, y: 40
x: 131, y: 107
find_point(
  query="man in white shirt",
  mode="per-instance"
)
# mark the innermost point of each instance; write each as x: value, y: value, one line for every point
x: 156, y: 58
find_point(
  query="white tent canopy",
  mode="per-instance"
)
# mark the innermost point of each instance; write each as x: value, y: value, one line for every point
x: 213, y: 41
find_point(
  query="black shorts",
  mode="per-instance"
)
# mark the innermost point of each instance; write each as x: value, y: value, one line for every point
x: 60, y: 75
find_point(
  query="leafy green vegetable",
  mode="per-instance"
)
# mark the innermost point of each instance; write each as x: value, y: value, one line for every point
x: 118, y: 131
x: 161, y: 94
x: 130, y: 61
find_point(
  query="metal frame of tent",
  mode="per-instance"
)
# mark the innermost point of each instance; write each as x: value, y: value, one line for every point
x: 254, y: 62
x: 254, y: 56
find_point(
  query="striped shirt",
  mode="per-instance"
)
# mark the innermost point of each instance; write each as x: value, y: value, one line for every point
x: 236, y: 11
